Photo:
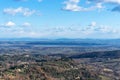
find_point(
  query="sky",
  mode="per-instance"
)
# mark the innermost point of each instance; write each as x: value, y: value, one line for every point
x: 99, y: 19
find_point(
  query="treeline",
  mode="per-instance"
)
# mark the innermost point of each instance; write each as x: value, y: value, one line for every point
x: 100, y: 54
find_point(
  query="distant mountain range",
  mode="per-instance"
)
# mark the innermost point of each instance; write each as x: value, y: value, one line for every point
x: 67, y: 41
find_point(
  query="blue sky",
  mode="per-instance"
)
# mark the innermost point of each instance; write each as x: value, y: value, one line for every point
x: 60, y: 18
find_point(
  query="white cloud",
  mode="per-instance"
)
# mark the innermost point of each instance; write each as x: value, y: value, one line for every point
x: 62, y: 31
x: 115, y: 4
x: 93, y: 24
x: 77, y: 31
x: 106, y: 1
x: 19, y: 10
x: 26, y: 24
x: 73, y: 5
x: 14, y: 25
x: 100, y: 28
x: 9, y: 24
x: 112, y: 1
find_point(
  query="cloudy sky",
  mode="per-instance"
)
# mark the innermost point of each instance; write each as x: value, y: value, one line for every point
x: 60, y: 18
